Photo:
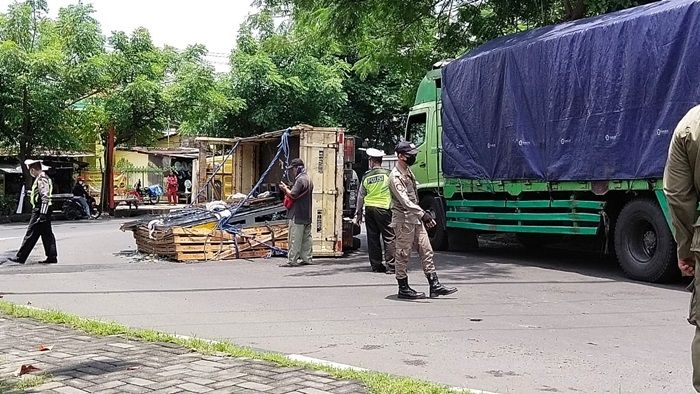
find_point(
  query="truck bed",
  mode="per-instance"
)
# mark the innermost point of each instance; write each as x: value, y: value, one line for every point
x: 596, y: 99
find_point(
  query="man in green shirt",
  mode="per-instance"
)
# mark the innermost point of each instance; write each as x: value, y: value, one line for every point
x: 682, y: 186
x: 374, y: 195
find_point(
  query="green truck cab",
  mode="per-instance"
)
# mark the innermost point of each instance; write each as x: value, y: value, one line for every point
x: 630, y: 217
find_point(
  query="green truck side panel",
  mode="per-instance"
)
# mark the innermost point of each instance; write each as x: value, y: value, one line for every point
x: 531, y: 216
x: 528, y: 204
x: 524, y: 229
x: 545, y: 217
x: 454, y: 187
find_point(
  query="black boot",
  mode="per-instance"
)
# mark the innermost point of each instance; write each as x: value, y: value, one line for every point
x: 406, y: 292
x: 15, y: 260
x: 437, y: 289
x: 380, y: 268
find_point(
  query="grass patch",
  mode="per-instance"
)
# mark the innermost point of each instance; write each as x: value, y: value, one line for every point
x: 376, y: 382
x: 31, y: 381
x: 23, y: 384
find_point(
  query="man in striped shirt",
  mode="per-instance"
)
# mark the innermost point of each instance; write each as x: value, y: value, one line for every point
x: 40, y: 222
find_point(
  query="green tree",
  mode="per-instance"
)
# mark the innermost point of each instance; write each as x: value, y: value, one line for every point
x: 282, y: 79
x: 413, y: 35
x: 46, y: 66
x: 197, y: 95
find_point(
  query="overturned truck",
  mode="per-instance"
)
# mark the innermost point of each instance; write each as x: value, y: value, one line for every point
x: 237, y: 209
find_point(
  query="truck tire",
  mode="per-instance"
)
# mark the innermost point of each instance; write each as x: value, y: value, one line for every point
x: 643, y: 242
x: 438, y: 234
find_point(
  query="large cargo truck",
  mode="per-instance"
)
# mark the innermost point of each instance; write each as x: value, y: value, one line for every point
x: 562, y: 131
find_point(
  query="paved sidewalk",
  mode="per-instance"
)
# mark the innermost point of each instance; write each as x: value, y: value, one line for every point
x: 84, y: 364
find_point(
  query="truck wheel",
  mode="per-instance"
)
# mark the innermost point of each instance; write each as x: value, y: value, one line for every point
x: 644, y: 244
x: 437, y: 234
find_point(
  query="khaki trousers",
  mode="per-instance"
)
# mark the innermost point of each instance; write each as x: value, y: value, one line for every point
x: 693, y: 319
x: 300, y: 243
x: 408, y: 236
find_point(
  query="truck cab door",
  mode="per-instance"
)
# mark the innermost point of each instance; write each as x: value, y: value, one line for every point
x: 416, y: 132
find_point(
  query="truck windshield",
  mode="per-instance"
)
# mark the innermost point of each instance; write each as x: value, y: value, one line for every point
x: 415, y: 130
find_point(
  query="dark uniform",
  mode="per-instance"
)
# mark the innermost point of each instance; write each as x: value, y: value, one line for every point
x: 682, y: 186
x: 40, y: 222
x: 375, y: 196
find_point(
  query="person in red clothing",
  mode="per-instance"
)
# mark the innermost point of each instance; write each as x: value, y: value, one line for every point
x: 171, y: 188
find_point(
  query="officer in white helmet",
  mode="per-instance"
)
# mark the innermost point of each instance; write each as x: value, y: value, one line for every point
x: 40, y: 222
x: 374, y: 195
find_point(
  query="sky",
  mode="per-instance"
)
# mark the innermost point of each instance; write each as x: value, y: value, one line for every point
x: 178, y: 23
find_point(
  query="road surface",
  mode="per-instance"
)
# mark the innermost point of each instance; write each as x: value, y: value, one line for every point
x: 522, y: 322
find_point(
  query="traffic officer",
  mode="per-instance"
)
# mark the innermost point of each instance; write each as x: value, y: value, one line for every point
x: 40, y: 222
x: 409, y: 221
x: 681, y: 186
x: 375, y: 196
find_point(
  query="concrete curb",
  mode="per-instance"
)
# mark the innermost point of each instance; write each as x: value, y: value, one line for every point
x: 299, y: 358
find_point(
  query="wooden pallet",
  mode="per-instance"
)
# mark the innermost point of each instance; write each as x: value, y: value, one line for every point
x: 160, y: 243
x: 201, y: 243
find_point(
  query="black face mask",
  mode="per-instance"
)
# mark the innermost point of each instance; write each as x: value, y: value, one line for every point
x: 410, y: 160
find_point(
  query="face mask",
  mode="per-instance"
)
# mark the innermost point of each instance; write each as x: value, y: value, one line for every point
x: 410, y: 160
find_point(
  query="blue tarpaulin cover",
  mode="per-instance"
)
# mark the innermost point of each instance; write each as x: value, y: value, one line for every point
x: 594, y: 99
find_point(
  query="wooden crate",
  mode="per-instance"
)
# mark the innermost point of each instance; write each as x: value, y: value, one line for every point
x: 194, y: 244
x: 160, y: 243
x: 202, y: 242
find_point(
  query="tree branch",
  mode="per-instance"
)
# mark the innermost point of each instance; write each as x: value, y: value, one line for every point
x: 98, y: 91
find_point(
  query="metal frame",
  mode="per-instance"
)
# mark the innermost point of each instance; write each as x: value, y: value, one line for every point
x: 533, y: 216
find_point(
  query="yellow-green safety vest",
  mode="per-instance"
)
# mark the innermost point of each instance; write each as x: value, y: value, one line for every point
x: 376, y: 185
x: 33, y: 194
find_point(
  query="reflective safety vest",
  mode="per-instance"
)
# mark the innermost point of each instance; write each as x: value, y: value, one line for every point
x: 34, y: 196
x: 376, y: 185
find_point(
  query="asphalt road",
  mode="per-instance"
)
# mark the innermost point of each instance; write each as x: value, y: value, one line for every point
x: 522, y: 322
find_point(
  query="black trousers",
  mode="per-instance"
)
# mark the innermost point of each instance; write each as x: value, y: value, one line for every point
x: 38, y: 228
x: 378, y: 223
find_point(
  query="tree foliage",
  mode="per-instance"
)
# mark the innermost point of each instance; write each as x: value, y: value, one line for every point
x: 282, y: 79
x: 352, y: 63
x: 63, y: 84
x: 412, y: 35
x: 46, y: 66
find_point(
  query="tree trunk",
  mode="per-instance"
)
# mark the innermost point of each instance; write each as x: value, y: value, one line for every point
x: 25, y: 149
x: 575, y: 9
x: 104, y: 192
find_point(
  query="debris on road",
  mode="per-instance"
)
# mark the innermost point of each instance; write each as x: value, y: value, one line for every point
x: 25, y: 369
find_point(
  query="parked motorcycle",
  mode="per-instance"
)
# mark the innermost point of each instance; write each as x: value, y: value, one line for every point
x: 72, y: 209
x: 150, y: 195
